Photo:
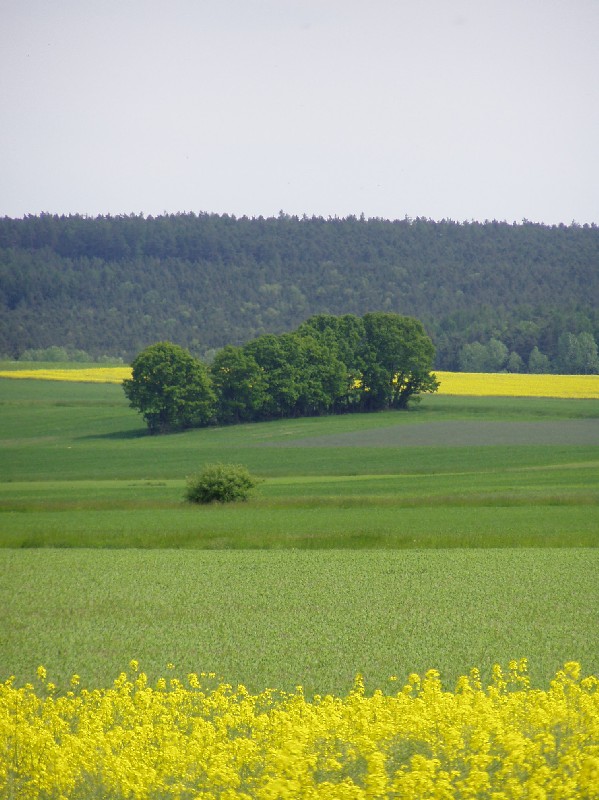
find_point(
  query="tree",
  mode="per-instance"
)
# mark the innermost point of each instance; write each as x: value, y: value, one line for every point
x: 478, y: 357
x: 473, y: 357
x: 497, y: 355
x: 398, y: 357
x: 170, y: 388
x: 514, y: 363
x: 538, y: 363
x: 275, y: 358
x: 239, y: 384
x: 343, y: 338
x: 385, y: 359
x: 588, y: 354
x: 577, y: 354
x: 322, y: 376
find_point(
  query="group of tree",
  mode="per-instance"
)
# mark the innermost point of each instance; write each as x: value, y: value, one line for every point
x: 58, y: 354
x: 113, y: 285
x: 328, y: 365
x: 576, y: 354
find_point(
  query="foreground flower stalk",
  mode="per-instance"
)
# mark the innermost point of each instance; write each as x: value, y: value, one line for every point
x: 185, y: 740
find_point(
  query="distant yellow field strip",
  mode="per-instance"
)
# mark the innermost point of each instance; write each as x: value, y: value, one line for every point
x: 482, y: 384
x: 88, y: 375
x: 509, y: 384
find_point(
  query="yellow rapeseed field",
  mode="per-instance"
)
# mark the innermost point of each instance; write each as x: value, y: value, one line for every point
x: 510, y: 384
x: 451, y: 383
x: 184, y: 741
x: 87, y: 375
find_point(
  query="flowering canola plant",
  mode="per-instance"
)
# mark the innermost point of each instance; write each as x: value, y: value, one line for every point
x: 185, y: 741
x: 510, y: 384
x: 482, y: 384
x: 83, y: 375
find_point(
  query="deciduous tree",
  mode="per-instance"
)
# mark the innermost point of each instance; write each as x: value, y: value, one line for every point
x: 170, y: 388
x: 398, y: 357
x: 239, y: 383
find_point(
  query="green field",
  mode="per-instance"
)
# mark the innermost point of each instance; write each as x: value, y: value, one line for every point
x: 460, y: 533
x: 281, y: 618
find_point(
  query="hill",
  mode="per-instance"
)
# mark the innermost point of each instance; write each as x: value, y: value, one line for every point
x: 524, y: 293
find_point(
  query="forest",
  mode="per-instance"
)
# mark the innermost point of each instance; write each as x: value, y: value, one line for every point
x: 492, y: 295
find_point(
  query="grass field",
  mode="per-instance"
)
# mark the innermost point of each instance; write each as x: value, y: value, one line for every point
x: 278, y: 618
x: 446, y: 536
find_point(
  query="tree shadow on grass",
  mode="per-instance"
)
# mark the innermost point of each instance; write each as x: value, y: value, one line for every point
x: 135, y: 433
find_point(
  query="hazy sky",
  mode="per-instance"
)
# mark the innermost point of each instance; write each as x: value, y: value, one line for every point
x: 461, y: 109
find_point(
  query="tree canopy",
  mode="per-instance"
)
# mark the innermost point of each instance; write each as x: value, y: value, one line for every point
x: 328, y: 365
x: 110, y: 286
x: 170, y: 388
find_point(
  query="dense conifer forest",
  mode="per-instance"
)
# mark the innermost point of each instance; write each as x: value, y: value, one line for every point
x: 491, y: 295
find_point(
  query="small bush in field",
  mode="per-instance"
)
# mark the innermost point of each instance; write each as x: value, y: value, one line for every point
x: 220, y: 483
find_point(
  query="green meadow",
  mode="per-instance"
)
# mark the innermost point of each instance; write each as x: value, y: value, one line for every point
x: 457, y: 534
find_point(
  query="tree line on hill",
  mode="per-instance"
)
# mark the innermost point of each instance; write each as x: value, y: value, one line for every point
x: 493, y: 295
x: 329, y: 365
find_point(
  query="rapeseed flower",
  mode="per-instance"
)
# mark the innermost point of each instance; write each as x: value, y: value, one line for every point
x: 481, y: 384
x: 505, y: 741
x: 506, y: 384
x: 84, y: 375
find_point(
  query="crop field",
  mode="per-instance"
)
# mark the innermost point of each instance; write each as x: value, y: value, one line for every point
x: 506, y: 384
x: 283, y: 617
x: 450, y: 383
x: 460, y: 534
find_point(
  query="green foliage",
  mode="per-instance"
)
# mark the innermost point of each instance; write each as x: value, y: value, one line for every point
x: 170, y: 388
x: 220, y: 483
x: 388, y: 362
x: 490, y: 357
x: 577, y: 354
x: 276, y: 358
x: 348, y: 363
x: 323, y: 376
x: 343, y: 340
x: 239, y: 383
x: 112, y: 285
x: 514, y: 363
x: 538, y: 363
x: 55, y: 354
x: 398, y: 358
x: 302, y: 376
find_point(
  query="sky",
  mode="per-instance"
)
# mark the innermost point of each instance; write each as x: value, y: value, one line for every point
x: 444, y: 109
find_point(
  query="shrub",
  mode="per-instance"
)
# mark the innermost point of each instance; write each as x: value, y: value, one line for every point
x: 220, y: 483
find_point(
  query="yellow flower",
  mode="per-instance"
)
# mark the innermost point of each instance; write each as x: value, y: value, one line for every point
x: 572, y: 670
x: 505, y: 384
x: 193, y: 680
x: 130, y: 740
x: 589, y: 777
x: 85, y: 375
